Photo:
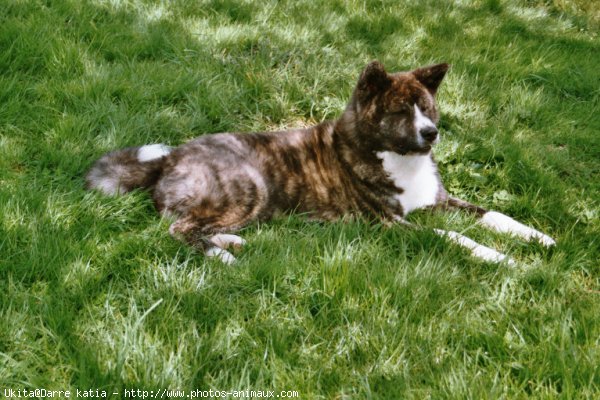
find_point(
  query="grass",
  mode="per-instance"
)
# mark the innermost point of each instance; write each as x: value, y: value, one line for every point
x: 96, y: 295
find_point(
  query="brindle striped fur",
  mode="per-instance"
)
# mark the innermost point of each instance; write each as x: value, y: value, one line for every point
x: 220, y: 183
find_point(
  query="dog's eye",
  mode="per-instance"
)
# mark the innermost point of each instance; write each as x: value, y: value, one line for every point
x: 397, y: 114
x: 401, y: 111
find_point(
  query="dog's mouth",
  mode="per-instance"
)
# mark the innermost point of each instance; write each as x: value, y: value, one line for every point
x: 422, y: 149
x: 411, y: 147
x: 428, y: 145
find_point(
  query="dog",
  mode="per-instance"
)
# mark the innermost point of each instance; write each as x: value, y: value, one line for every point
x: 375, y: 162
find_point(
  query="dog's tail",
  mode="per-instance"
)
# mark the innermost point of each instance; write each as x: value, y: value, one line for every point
x: 121, y: 171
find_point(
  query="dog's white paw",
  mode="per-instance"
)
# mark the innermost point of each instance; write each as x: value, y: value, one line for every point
x: 477, y: 250
x: 222, y: 255
x: 543, y: 239
x: 225, y: 241
x: 489, y: 254
x: 505, y: 224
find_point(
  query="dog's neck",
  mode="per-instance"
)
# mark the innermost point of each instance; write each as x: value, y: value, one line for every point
x: 352, y: 150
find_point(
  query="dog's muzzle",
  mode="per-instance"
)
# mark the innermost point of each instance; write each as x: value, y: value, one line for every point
x: 429, y: 134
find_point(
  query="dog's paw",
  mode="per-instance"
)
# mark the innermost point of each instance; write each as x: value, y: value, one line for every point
x: 491, y: 255
x: 222, y: 255
x: 477, y: 250
x: 543, y: 239
x: 505, y: 224
x: 226, y: 241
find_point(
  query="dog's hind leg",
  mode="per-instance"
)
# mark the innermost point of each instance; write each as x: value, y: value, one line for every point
x: 500, y: 222
x: 191, y: 230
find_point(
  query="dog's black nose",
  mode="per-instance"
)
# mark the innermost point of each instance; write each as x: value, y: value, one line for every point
x: 429, y: 133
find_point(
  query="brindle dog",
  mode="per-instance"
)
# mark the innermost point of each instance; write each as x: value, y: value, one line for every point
x: 375, y: 161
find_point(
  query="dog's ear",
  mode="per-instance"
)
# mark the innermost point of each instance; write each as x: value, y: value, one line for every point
x: 373, y: 79
x: 431, y: 76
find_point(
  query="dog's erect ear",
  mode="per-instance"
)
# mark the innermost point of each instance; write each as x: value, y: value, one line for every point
x: 373, y: 79
x: 431, y: 76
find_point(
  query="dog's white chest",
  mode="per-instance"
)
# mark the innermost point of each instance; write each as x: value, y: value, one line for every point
x: 416, y: 175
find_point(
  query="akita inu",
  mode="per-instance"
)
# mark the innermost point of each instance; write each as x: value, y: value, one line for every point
x: 374, y: 161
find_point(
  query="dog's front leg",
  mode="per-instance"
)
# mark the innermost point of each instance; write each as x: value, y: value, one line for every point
x: 505, y: 224
x: 477, y: 250
x: 502, y: 223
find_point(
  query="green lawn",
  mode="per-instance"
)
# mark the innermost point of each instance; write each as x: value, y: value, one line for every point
x: 94, y: 294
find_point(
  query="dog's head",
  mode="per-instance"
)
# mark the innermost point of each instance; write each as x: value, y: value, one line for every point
x: 397, y: 112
